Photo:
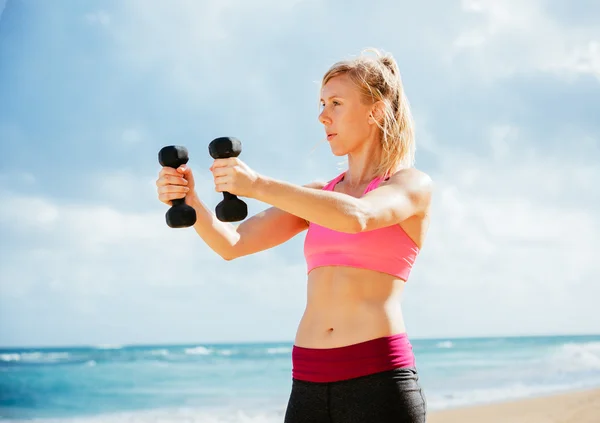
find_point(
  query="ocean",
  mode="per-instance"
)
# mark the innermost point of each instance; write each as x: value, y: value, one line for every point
x: 250, y: 382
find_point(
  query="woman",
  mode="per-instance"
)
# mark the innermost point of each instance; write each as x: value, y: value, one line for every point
x: 352, y: 360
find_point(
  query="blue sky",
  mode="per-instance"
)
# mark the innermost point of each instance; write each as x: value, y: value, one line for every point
x: 505, y: 97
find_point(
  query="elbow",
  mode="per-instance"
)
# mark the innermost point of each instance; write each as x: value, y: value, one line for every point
x: 228, y: 257
x: 358, y: 226
x: 234, y: 253
x: 231, y: 250
x: 358, y: 222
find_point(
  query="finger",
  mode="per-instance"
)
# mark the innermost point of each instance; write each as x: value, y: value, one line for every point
x: 222, y: 163
x: 221, y: 182
x: 168, y: 171
x: 221, y: 171
x: 168, y: 197
x: 173, y: 190
x: 171, y: 180
x: 222, y: 187
x: 169, y: 189
x: 186, y: 172
x: 183, y: 169
x: 222, y: 179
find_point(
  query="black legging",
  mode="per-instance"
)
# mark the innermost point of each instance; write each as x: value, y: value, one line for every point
x: 393, y: 396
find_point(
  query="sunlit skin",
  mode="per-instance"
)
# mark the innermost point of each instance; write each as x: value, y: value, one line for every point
x: 343, y: 305
x: 350, y: 127
x: 348, y: 305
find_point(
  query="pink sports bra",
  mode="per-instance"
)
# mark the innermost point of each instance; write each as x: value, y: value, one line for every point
x: 388, y: 250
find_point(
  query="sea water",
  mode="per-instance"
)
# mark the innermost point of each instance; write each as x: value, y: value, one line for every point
x: 235, y: 383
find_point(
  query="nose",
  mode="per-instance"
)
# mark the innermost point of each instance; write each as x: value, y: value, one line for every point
x: 324, y: 117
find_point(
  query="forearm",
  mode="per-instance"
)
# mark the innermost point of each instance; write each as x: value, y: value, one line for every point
x: 221, y: 237
x: 330, y: 209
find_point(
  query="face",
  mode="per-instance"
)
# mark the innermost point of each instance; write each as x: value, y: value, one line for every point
x: 345, y: 116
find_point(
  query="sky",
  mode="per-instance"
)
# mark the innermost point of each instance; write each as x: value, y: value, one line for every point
x: 505, y: 96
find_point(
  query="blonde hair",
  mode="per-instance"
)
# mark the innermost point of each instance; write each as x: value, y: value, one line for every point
x: 378, y: 79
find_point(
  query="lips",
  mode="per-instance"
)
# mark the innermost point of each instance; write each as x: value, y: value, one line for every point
x: 330, y: 136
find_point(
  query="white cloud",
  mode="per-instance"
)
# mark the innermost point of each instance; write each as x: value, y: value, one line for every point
x: 514, y: 36
x: 82, y: 248
x: 121, y: 185
x: 33, y: 213
x: 85, y: 258
x: 512, y: 234
x: 170, y: 33
x: 582, y: 59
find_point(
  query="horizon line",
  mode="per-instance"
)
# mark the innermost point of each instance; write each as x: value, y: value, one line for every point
x: 109, y: 346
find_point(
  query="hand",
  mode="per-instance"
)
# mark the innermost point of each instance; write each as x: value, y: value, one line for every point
x: 175, y: 183
x: 234, y: 176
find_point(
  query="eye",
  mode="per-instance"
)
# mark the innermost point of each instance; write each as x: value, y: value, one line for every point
x: 322, y: 105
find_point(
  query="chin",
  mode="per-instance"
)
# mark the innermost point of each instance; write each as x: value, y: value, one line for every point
x: 337, y: 150
x: 339, y: 153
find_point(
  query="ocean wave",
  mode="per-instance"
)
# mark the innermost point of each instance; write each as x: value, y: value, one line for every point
x: 156, y: 354
x: 172, y: 416
x: 10, y: 357
x: 578, y: 356
x: 444, y: 344
x: 108, y: 347
x: 441, y: 400
x: 36, y: 357
x: 279, y: 350
x: 198, y: 351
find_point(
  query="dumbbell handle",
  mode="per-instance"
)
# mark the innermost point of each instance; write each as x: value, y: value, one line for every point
x: 180, y: 215
x: 231, y: 208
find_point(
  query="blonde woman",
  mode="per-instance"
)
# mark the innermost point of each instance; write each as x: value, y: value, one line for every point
x: 352, y: 361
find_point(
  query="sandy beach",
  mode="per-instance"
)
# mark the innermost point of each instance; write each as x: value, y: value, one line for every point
x: 574, y: 407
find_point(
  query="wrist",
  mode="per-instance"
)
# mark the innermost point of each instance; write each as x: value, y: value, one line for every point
x: 261, y: 186
x: 191, y: 199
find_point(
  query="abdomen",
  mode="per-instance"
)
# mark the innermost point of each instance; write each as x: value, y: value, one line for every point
x: 349, y: 305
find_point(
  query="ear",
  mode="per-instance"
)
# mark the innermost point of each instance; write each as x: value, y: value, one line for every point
x: 377, y: 112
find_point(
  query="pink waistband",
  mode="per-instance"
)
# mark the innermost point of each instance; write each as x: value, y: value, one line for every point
x: 342, y: 363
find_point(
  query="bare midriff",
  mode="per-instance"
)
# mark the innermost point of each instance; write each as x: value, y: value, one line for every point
x: 347, y: 305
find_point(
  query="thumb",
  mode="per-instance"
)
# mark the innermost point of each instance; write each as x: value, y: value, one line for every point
x: 186, y: 173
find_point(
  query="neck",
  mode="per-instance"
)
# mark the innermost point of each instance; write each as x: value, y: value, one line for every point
x: 362, y: 164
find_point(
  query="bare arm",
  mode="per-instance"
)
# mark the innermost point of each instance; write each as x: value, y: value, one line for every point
x: 262, y: 231
x: 407, y: 193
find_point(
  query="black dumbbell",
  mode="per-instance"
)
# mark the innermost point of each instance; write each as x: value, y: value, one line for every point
x: 180, y: 215
x: 231, y: 209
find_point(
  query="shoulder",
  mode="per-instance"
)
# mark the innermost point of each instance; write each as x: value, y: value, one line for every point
x: 412, y: 179
x: 414, y: 183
